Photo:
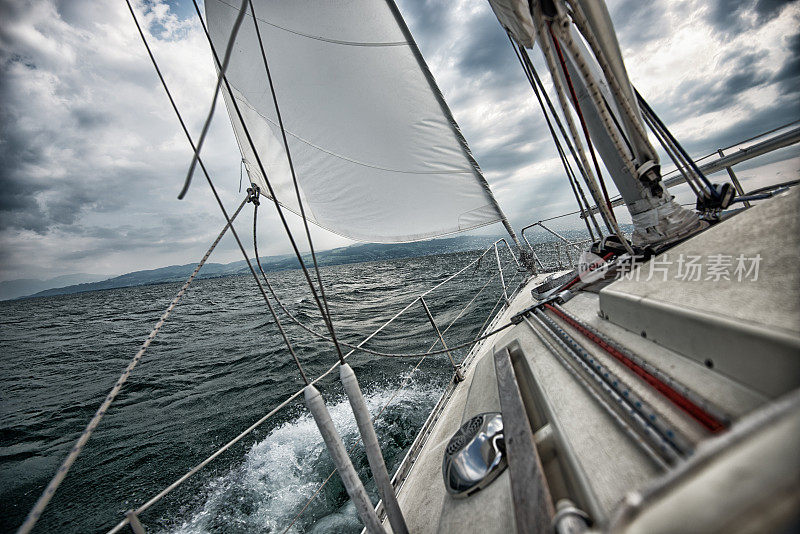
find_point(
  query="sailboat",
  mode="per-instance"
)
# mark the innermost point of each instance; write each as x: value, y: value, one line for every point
x: 649, y: 386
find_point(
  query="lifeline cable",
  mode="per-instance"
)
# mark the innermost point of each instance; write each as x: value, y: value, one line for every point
x: 47, y: 494
x: 359, y: 347
x: 402, y: 385
x: 144, y: 507
x: 405, y: 382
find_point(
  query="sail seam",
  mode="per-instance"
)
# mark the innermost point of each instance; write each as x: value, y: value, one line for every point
x: 241, y: 98
x: 408, y: 238
x: 320, y: 38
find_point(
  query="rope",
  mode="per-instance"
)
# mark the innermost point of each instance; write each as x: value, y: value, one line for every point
x: 520, y: 51
x: 241, y: 174
x: 790, y: 183
x: 678, y: 147
x: 680, y: 165
x: 228, y: 49
x: 210, y: 181
x: 557, y: 120
x: 327, y: 313
x: 269, y: 304
x: 33, y: 516
x: 360, y: 348
x: 561, y: 94
x: 263, y: 172
x: 47, y: 494
x: 406, y: 355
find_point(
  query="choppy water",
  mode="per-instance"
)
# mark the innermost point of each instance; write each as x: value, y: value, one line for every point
x: 217, y: 366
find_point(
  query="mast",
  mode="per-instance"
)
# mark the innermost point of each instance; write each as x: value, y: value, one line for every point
x: 581, y: 35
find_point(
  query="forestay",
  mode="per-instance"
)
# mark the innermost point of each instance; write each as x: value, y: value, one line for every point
x: 377, y: 153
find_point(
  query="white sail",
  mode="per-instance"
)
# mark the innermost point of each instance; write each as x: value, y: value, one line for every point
x: 377, y: 153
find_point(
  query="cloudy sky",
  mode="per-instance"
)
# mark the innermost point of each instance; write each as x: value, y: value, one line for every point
x: 92, y: 157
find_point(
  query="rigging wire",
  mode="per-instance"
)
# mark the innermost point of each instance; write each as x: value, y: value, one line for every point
x: 271, y: 195
x: 582, y: 120
x: 211, y: 185
x: 560, y: 90
x: 620, y: 130
x: 44, y: 499
x: 624, y: 104
x: 147, y: 505
x: 327, y: 314
x: 358, y: 347
x: 403, y: 384
x: 657, y: 121
x: 49, y: 491
x: 520, y: 51
x: 688, y: 176
x: 551, y: 107
x: 543, y: 92
x: 223, y: 67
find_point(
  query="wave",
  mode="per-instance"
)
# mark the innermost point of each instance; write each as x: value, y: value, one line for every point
x: 282, y: 472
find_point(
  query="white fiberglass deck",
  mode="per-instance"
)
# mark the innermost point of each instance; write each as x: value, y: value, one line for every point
x: 612, y: 463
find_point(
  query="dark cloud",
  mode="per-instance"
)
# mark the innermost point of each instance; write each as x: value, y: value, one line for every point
x: 36, y: 195
x: 734, y: 16
x: 86, y: 117
x: 726, y: 15
x: 90, y: 155
x: 488, y: 54
x: 769, y: 9
x: 788, y: 77
x: 18, y: 206
x: 708, y: 94
x: 638, y: 22
x: 752, y: 123
x: 510, y: 157
x: 91, y: 158
x: 429, y: 21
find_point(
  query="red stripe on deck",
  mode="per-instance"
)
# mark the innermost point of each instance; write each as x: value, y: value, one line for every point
x: 696, y: 412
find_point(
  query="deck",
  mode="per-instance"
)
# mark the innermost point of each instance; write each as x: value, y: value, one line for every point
x: 733, y: 344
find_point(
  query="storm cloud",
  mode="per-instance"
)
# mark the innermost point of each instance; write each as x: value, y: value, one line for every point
x: 92, y: 156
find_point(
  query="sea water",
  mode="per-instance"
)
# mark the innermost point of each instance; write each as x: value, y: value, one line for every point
x: 218, y: 365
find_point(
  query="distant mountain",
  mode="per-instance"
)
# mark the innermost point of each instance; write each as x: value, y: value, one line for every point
x: 18, y: 288
x: 337, y: 256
